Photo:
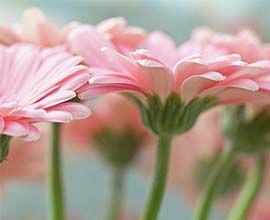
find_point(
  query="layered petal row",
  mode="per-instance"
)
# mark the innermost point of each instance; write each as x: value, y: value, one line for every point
x: 36, y: 85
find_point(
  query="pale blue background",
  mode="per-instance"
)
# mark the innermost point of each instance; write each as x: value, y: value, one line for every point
x: 87, y: 188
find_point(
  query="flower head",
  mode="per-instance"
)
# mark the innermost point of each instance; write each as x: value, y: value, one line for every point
x: 125, y: 38
x: 36, y: 29
x: 190, y: 76
x: 36, y: 86
x: 189, y: 71
x: 246, y: 43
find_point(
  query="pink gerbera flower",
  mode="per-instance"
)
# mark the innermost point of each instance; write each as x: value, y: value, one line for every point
x: 125, y: 38
x: 171, y: 85
x: 245, y: 42
x: 189, y: 71
x: 35, y: 86
x: 36, y: 29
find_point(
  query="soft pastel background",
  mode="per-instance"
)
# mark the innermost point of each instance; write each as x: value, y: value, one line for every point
x: 87, y: 178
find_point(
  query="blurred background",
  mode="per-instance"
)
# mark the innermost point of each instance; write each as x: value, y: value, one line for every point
x: 86, y: 176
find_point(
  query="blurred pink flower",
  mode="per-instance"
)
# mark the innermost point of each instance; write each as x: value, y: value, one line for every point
x: 261, y: 211
x: 108, y: 112
x: 26, y: 160
x: 163, y: 68
x: 35, y: 86
x: 125, y: 38
x: 246, y: 43
x: 36, y: 29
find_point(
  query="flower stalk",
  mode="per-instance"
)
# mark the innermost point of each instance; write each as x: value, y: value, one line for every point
x: 116, y: 202
x: 4, y: 147
x: 158, y: 186
x: 250, y: 190
x: 55, y: 184
x: 208, y: 195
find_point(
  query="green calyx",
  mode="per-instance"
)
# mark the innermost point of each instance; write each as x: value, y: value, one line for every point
x: 247, y: 135
x: 229, y: 183
x: 173, y: 116
x: 4, y: 147
x: 118, y: 147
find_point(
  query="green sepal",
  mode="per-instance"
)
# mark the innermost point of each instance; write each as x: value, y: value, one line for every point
x: 247, y: 135
x: 4, y: 147
x: 172, y: 116
x: 118, y: 148
x: 230, y: 182
x: 192, y: 111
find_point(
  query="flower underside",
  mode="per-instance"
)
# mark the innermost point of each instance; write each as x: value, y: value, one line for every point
x: 231, y: 182
x: 247, y: 135
x: 173, y: 116
x: 118, y: 148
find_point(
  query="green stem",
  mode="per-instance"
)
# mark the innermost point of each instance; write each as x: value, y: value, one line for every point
x: 208, y: 195
x: 55, y: 184
x: 249, y: 192
x: 157, y: 191
x: 117, y: 194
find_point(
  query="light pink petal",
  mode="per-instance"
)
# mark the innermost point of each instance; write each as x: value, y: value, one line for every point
x: 30, y: 113
x: 162, y: 47
x: 87, y: 42
x: 147, y: 73
x: 241, y: 90
x: 58, y: 116
x: 143, y: 55
x: 33, y: 134
x: 112, y: 26
x: 36, y: 28
x: 185, y: 69
x: 160, y: 79
x: 33, y: 83
x: 55, y: 98
x: 76, y: 82
x: 224, y: 61
x: 124, y: 38
x: 193, y: 85
x: 242, y: 96
x: 132, y: 37
x: 8, y: 36
x: 2, y: 124
x: 96, y: 90
x: 15, y: 128
x: 77, y: 110
x: 123, y: 63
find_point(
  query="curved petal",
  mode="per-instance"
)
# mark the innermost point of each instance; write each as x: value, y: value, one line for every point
x: 33, y: 134
x: 16, y: 128
x: 77, y: 110
x: 58, y: 116
x: 193, y: 85
x: 162, y: 47
x: 185, y: 69
x: 8, y: 36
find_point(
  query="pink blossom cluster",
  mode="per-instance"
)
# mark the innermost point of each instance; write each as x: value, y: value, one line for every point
x: 43, y: 68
